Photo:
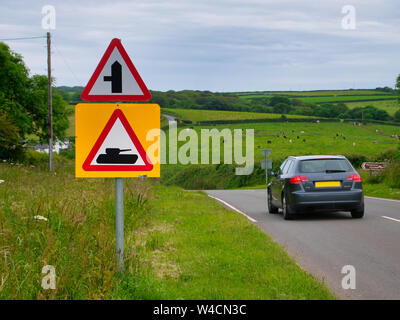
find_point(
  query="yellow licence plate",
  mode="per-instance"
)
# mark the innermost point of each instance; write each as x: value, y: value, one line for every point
x: 323, y: 184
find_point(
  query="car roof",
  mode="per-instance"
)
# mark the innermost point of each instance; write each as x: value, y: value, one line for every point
x: 317, y: 157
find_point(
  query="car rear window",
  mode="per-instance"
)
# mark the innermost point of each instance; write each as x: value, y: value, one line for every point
x: 324, y: 165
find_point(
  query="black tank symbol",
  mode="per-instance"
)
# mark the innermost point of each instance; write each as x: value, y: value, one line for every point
x: 113, y: 155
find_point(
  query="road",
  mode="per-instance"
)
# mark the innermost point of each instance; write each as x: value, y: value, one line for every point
x: 322, y: 243
x: 170, y: 118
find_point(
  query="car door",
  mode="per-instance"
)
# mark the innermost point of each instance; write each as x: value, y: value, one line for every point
x: 283, y: 177
x: 276, y: 185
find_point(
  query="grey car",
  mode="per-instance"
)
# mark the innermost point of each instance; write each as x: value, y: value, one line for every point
x: 311, y: 183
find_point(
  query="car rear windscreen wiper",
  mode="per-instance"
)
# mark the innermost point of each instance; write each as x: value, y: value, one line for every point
x: 333, y: 171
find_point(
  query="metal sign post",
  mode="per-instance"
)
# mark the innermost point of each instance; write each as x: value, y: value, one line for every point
x: 119, y: 221
x: 266, y: 164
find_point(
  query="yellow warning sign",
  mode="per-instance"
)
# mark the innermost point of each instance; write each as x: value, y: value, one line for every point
x: 117, y: 140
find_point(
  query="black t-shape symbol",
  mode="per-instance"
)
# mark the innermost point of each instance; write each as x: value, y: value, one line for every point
x: 115, y: 78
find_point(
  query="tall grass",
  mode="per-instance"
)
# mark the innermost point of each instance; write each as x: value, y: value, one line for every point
x: 391, y: 175
x: 178, y: 244
x: 78, y: 238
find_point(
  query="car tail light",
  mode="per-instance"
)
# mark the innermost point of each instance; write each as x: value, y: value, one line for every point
x: 298, y: 179
x: 354, y: 177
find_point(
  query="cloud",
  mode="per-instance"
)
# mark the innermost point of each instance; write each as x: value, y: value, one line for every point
x: 223, y: 45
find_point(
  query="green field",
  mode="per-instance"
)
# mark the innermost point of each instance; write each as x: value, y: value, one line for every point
x: 357, y: 143
x: 316, y: 93
x: 330, y: 98
x: 326, y: 96
x: 344, y: 98
x: 178, y: 244
x: 208, y: 115
x: 320, y: 138
x: 390, y: 106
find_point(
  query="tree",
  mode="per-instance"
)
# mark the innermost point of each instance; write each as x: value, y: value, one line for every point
x: 397, y: 115
x: 398, y: 88
x: 279, y: 99
x: 338, y: 109
x: 10, y: 146
x: 297, y: 102
x: 368, y: 112
x: 14, y: 84
x: 23, y: 99
x: 38, y: 107
x: 282, y: 108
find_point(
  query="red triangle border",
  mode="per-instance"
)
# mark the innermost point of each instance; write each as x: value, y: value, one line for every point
x: 86, y: 92
x: 117, y: 114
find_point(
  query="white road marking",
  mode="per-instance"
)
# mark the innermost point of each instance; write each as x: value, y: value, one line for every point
x: 391, y: 218
x: 233, y: 208
x: 393, y: 200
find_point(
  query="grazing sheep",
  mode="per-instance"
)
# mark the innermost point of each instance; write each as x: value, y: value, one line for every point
x: 290, y: 140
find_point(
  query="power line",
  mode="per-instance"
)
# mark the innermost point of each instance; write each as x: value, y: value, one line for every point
x: 66, y: 62
x: 27, y: 38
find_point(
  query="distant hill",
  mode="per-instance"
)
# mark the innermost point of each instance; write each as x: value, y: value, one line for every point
x: 320, y: 103
x: 70, y: 89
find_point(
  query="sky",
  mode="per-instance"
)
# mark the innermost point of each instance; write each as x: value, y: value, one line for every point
x: 216, y: 45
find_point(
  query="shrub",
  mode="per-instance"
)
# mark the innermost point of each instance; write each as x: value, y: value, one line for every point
x: 391, y: 175
x: 375, y: 179
x: 356, y: 159
x: 219, y: 176
x: 387, y: 155
x: 32, y: 157
x: 397, y: 155
x: 397, y: 115
x: 68, y: 153
x: 10, y: 146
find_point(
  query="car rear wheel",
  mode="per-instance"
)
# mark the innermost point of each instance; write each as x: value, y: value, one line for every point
x: 288, y: 213
x: 358, y: 213
x: 271, y: 208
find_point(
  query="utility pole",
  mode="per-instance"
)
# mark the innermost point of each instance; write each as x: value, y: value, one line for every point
x: 50, y: 101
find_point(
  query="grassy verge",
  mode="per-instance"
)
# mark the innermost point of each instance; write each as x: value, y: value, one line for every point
x: 381, y: 190
x: 385, y: 185
x: 179, y: 244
